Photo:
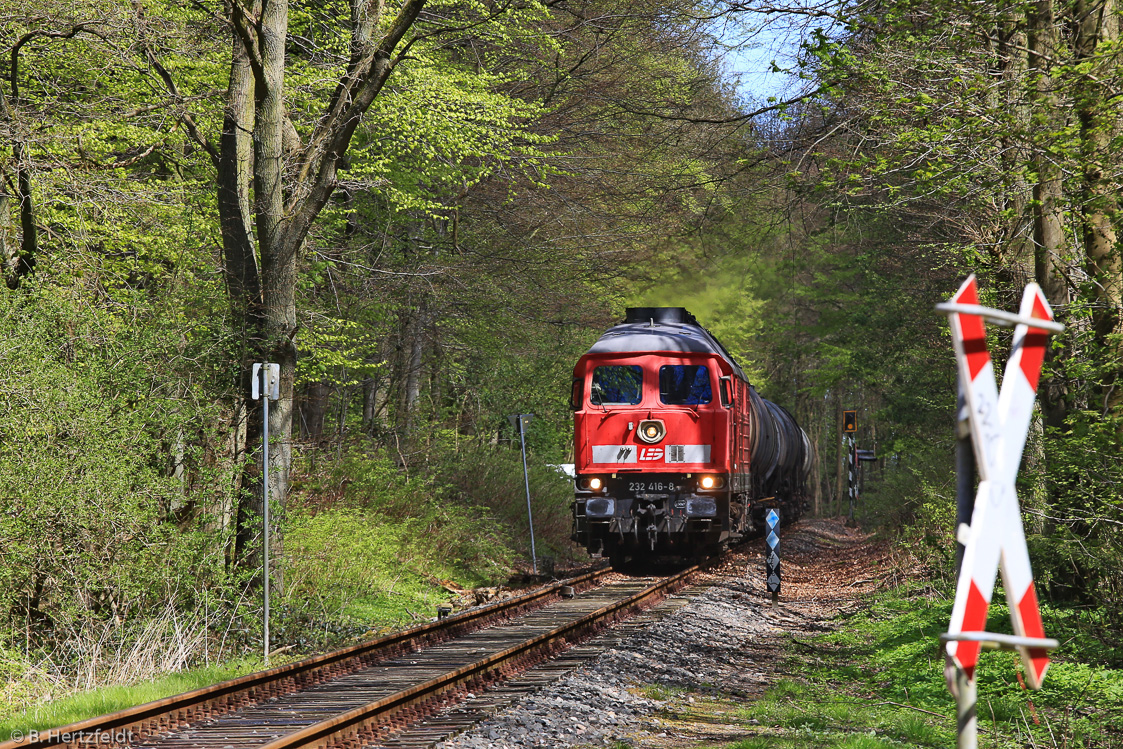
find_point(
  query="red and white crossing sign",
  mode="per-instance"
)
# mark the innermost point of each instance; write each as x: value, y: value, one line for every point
x: 999, y: 423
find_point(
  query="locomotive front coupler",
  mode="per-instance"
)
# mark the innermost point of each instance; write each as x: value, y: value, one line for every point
x: 678, y: 506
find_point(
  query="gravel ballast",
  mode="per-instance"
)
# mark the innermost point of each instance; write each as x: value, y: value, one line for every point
x: 722, y: 635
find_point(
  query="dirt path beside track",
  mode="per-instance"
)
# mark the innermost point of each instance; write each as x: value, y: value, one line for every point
x: 667, y: 684
x: 826, y: 569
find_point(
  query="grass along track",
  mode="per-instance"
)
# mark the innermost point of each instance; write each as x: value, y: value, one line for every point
x: 210, y: 702
x: 373, y: 689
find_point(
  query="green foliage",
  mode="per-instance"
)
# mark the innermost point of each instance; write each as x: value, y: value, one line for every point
x: 491, y: 480
x: 362, y: 569
x: 440, y: 131
x: 89, y: 704
x: 878, y: 681
x: 719, y: 278
x: 1079, y: 549
x: 339, y: 352
x: 884, y: 650
x: 966, y: 142
x: 120, y: 191
x: 88, y: 486
x: 520, y: 368
x: 929, y: 534
x: 479, y: 213
x: 376, y: 556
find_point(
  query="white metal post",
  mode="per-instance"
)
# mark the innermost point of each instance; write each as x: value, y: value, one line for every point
x: 265, y: 503
x: 966, y: 711
x: 526, y: 479
x: 965, y: 691
x: 264, y: 385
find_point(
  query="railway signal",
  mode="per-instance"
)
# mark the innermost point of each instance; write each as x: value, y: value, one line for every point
x: 851, y: 476
x: 772, y: 555
x: 849, y: 430
x: 995, y: 539
x: 265, y: 385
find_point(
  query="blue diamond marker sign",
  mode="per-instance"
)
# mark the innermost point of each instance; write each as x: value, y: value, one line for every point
x: 772, y: 554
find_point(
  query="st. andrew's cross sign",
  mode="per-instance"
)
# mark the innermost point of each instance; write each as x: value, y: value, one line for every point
x: 999, y: 422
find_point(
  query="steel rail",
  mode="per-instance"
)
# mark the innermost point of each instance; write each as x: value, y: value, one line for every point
x: 376, y: 716
x: 160, y: 716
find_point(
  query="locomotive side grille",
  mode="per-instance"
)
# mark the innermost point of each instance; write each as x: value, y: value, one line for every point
x: 688, y: 453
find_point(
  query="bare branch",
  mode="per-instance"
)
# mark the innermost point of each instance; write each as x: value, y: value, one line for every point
x: 169, y: 83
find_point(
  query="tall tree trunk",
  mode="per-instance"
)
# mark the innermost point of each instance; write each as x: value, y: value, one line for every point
x: 234, y: 175
x: 370, y: 403
x: 313, y: 410
x: 1049, y: 252
x: 292, y: 183
x: 1097, y: 31
x: 415, y: 361
x: 840, y: 454
x: 278, y: 251
x: 815, y: 479
x: 9, y: 244
x: 1048, y: 207
x: 1015, y: 262
x: 18, y: 263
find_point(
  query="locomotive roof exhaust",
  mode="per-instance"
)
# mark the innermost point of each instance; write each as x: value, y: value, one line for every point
x: 664, y: 315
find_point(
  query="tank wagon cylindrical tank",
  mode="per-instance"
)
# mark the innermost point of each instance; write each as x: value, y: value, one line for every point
x: 675, y: 452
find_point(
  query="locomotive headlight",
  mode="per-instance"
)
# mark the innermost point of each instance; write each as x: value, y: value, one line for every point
x: 707, y: 482
x: 595, y: 484
x: 651, y: 431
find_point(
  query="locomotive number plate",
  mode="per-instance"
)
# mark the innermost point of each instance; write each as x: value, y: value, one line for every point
x: 650, y: 486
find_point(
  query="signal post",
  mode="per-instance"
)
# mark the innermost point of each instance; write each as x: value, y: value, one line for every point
x: 849, y: 429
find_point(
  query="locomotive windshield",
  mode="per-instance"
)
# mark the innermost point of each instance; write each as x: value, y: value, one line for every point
x: 617, y: 385
x: 685, y: 385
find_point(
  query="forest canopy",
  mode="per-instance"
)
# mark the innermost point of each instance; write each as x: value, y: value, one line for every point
x: 426, y: 210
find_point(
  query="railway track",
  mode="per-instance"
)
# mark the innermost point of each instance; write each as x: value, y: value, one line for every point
x: 357, y: 696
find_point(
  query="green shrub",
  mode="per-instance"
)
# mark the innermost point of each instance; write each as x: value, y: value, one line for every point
x: 491, y: 477
x: 379, y: 552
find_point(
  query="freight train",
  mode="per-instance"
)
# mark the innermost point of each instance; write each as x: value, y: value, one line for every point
x: 675, y: 452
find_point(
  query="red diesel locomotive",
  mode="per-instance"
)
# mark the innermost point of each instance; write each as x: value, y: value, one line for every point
x: 675, y: 453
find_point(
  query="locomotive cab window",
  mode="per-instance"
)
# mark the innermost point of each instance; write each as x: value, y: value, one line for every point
x: 725, y: 391
x: 685, y: 385
x: 617, y: 385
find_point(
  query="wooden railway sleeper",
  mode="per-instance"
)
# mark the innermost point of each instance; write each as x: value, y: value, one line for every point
x: 153, y: 718
x: 426, y: 698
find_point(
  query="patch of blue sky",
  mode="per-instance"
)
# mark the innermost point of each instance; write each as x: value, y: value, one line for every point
x: 760, y: 50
